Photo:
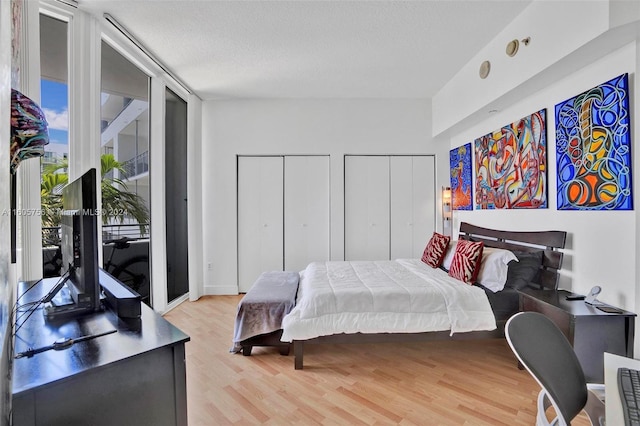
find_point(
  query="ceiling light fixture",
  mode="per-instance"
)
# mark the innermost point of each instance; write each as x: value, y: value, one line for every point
x: 485, y: 67
x: 512, y: 47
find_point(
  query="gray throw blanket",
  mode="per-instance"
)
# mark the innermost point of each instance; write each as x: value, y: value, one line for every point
x: 261, y: 310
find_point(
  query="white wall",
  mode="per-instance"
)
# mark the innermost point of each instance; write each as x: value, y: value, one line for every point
x: 330, y: 127
x: 601, y: 246
x: 561, y: 34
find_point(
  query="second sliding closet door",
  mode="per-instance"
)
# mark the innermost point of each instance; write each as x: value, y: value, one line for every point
x: 306, y: 211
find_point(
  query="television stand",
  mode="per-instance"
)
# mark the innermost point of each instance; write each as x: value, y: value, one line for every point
x: 135, y: 376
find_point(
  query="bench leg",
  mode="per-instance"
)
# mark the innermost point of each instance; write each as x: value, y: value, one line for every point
x: 298, y: 352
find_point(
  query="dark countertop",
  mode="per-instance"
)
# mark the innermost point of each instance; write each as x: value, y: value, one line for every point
x: 574, y: 307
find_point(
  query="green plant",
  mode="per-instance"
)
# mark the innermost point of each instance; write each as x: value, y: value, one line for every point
x: 117, y: 201
x: 51, y: 197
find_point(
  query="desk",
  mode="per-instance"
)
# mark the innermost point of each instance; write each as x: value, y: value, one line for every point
x: 613, y: 404
x: 135, y: 376
x: 590, y: 331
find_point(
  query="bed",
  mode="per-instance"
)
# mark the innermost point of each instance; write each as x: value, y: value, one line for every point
x: 404, y: 300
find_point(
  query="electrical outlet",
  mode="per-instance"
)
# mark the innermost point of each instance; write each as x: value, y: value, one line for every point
x: 209, y: 266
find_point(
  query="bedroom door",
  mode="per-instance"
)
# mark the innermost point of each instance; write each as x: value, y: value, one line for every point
x: 306, y: 210
x: 260, y: 218
x: 413, y: 212
x: 366, y: 207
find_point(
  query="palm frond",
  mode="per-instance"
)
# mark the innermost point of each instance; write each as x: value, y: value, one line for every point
x: 117, y: 201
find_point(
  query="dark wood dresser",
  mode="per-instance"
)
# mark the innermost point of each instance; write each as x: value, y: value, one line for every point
x: 590, y: 331
x: 134, y: 376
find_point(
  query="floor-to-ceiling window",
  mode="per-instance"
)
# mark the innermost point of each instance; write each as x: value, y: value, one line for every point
x: 175, y: 140
x: 125, y: 167
x: 54, y: 99
x: 109, y: 98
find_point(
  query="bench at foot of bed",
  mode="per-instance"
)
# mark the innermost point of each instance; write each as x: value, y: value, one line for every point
x: 260, y: 312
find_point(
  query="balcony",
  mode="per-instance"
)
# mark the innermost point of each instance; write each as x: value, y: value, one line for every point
x: 137, y: 165
x: 133, y: 231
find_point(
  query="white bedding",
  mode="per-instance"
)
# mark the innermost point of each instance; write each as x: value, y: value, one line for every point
x: 401, y: 296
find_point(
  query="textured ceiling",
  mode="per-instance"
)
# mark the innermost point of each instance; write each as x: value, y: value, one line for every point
x: 312, y: 49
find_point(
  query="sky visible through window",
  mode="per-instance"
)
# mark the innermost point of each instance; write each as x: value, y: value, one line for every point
x: 55, y: 104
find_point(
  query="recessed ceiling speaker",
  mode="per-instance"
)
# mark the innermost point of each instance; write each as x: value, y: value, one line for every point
x: 485, y: 67
x: 512, y: 47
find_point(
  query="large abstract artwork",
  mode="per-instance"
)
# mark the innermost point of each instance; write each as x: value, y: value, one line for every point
x: 511, y: 165
x: 593, y: 149
x: 460, y: 172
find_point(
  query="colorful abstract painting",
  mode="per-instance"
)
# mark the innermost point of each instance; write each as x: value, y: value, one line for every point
x: 593, y: 149
x: 511, y: 165
x: 460, y: 172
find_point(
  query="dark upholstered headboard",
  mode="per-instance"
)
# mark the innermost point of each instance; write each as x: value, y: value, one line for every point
x: 549, y: 242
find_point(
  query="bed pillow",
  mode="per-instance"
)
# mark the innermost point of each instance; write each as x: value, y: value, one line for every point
x: 494, y: 268
x: 448, y: 257
x: 435, y: 250
x: 522, y: 273
x: 466, y: 261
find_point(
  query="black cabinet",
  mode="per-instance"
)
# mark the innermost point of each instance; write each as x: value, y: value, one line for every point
x: 590, y: 331
x: 135, y: 376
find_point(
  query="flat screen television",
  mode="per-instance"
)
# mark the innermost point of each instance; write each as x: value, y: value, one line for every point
x: 78, y: 290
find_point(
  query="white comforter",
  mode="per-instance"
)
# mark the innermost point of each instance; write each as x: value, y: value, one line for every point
x: 401, y: 296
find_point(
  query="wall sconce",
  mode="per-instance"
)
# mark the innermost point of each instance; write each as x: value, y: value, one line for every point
x: 446, y: 210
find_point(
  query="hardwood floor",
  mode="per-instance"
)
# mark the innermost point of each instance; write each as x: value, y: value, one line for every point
x: 430, y: 383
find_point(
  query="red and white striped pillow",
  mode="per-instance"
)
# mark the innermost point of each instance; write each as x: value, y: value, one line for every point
x: 466, y: 261
x: 435, y: 250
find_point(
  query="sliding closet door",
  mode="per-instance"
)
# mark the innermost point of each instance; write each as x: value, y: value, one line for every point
x: 306, y: 211
x: 412, y: 204
x: 260, y: 218
x: 366, y: 207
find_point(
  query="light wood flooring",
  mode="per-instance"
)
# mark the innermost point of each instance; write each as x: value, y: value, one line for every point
x: 431, y: 383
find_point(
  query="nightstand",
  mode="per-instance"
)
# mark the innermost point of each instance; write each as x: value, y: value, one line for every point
x: 590, y: 331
